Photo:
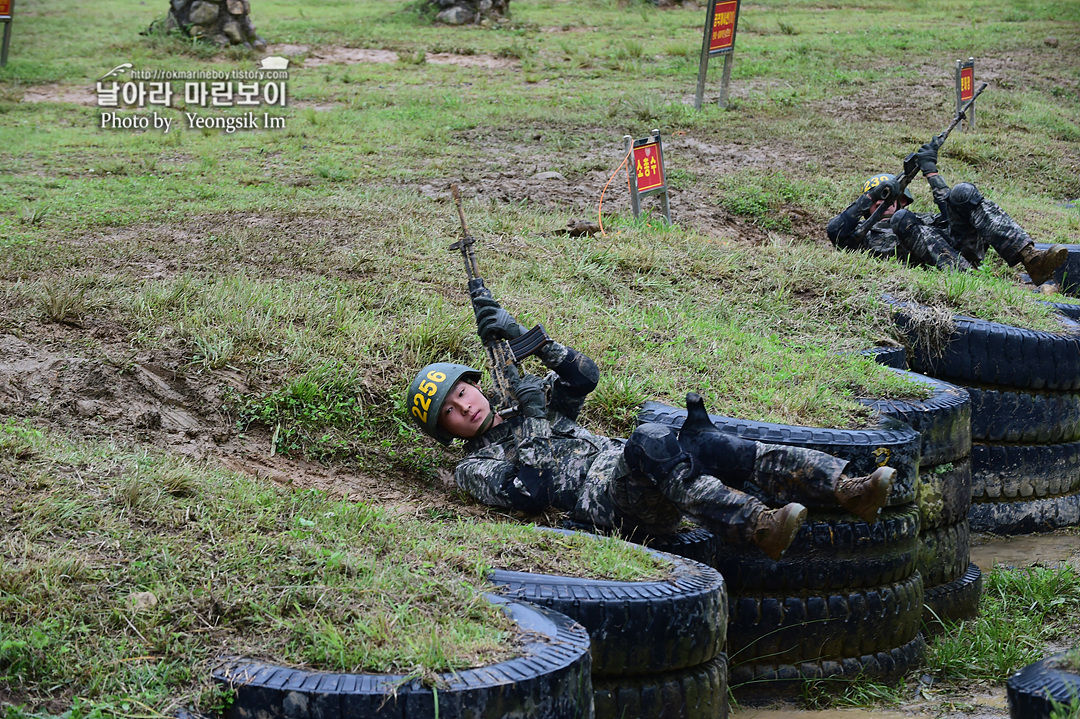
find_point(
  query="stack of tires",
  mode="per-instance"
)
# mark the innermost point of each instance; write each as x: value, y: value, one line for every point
x: 952, y: 583
x: 589, y: 648
x: 1025, y: 420
x: 846, y: 598
x: 657, y: 647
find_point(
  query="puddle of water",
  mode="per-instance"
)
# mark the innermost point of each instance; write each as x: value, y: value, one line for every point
x: 982, y: 703
x: 1026, y: 549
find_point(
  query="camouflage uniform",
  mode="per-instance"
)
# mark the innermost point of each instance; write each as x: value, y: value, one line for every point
x: 645, y: 482
x: 957, y: 237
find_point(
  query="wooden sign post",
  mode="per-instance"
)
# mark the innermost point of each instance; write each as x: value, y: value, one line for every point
x: 965, y: 90
x: 646, y: 172
x: 720, y: 25
x: 6, y: 8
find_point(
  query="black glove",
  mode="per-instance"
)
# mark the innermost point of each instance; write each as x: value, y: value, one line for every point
x: 533, y: 491
x: 926, y: 155
x: 481, y: 296
x: 885, y: 190
x: 532, y: 400
x: 495, y: 323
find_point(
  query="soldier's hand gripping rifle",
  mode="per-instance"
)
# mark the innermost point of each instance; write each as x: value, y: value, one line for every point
x: 911, y: 169
x: 502, y: 354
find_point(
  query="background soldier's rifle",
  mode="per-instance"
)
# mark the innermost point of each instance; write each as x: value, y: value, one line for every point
x: 502, y: 354
x: 911, y: 169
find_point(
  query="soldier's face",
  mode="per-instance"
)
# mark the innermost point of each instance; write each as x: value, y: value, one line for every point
x: 899, y: 204
x: 464, y: 410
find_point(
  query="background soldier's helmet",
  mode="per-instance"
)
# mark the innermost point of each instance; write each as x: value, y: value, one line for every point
x: 428, y: 392
x: 876, y: 180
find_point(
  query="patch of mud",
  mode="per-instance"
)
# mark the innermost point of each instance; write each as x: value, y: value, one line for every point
x: 74, y: 94
x: 1050, y: 549
x: 335, y: 55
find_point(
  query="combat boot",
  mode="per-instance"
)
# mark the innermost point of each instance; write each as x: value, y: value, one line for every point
x: 775, y: 529
x: 1040, y: 264
x: 865, y: 496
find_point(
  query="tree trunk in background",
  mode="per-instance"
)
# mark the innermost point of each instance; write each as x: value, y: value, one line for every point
x: 225, y: 22
x: 460, y: 12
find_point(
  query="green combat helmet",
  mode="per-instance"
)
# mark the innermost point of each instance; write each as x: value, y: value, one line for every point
x: 872, y: 182
x: 428, y: 392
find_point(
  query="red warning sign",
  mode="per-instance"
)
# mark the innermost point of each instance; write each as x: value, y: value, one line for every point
x: 5, y: 9
x: 723, y: 25
x: 967, y: 83
x: 650, y: 171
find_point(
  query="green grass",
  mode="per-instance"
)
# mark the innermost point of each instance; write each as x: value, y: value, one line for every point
x: 126, y: 573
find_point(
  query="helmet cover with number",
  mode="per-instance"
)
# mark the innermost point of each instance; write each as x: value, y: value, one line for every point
x: 428, y: 392
x: 872, y: 182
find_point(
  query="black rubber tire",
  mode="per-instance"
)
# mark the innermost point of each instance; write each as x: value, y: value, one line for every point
x: 989, y: 353
x: 550, y: 679
x: 816, y: 626
x: 943, y: 420
x: 1033, y: 690
x: 636, y: 627
x: 832, y: 551
x: 1067, y: 275
x: 944, y: 553
x: 690, y: 542
x: 762, y: 682
x: 865, y: 449
x: 695, y: 693
x: 1007, y: 472
x: 944, y: 495
x: 894, y: 357
x: 1026, y: 516
x: 999, y: 415
x: 952, y: 602
x: 1070, y: 310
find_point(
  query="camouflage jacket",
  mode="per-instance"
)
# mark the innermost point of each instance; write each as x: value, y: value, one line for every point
x: 880, y: 241
x: 580, y: 463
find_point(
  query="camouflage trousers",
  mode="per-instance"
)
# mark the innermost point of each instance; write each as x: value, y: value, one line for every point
x: 662, y: 484
x: 966, y: 238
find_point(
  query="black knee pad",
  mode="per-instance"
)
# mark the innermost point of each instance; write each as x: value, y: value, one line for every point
x: 963, y: 198
x: 653, y: 450
x: 904, y: 222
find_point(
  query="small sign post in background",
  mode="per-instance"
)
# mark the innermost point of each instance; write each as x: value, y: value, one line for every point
x: 720, y: 24
x: 965, y: 90
x: 6, y: 6
x: 646, y: 171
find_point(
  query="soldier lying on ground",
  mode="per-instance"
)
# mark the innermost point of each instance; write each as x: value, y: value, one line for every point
x: 957, y: 237
x: 543, y: 458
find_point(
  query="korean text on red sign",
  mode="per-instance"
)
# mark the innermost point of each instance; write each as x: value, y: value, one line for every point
x: 650, y: 173
x: 967, y: 83
x: 723, y: 27
x: 5, y: 8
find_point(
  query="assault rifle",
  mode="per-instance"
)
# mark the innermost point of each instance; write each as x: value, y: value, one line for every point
x: 502, y: 354
x: 911, y: 169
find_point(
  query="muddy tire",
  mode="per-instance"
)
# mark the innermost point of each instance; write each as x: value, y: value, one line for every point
x: 1033, y: 690
x: 865, y: 450
x: 756, y: 682
x: 550, y: 679
x: 944, y: 553
x: 811, y: 626
x: 1025, y: 516
x: 999, y: 415
x: 942, y: 420
x: 636, y: 627
x: 833, y: 550
x: 952, y: 602
x: 944, y: 495
x: 989, y: 353
x: 1008, y: 472
x: 694, y: 543
x: 695, y: 693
